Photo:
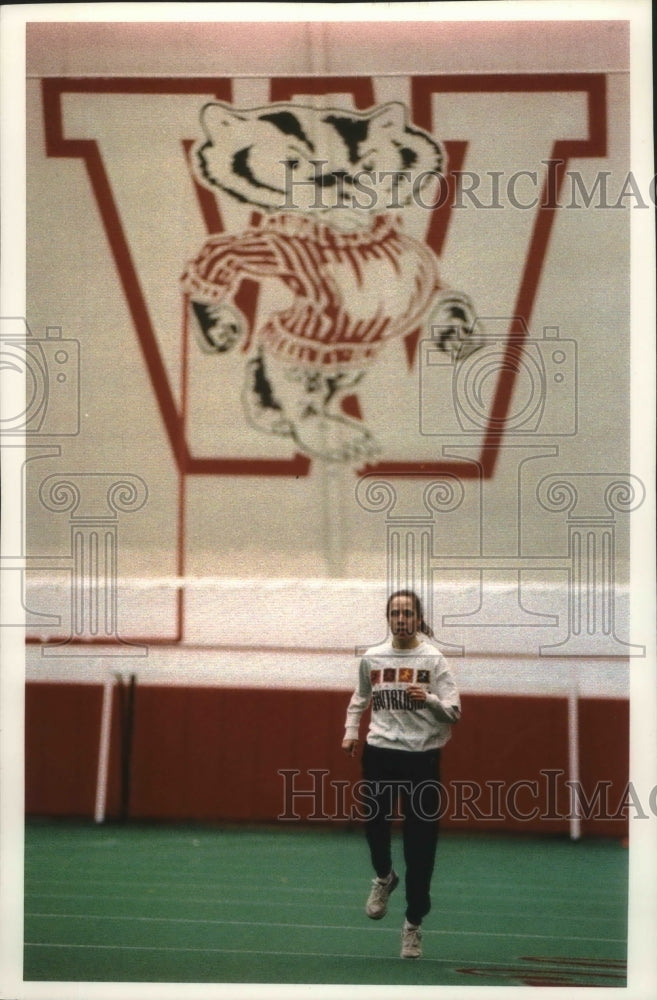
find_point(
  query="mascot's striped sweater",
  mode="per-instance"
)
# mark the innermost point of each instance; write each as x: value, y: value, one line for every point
x: 347, y: 292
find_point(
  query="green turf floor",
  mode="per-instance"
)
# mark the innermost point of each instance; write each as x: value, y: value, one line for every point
x: 204, y: 904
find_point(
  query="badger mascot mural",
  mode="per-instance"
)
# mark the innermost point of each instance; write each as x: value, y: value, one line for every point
x: 331, y: 185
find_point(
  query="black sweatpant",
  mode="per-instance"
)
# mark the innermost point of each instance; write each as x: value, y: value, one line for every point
x: 394, y: 776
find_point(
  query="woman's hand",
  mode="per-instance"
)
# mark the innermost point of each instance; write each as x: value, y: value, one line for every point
x: 416, y: 692
x: 350, y: 747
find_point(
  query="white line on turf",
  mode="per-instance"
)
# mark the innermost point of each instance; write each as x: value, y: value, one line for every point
x: 217, y: 902
x: 278, y: 954
x: 320, y: 927
x: 530, y: 890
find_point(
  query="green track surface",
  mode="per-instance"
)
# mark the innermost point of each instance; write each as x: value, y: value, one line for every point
x: 286, y: 905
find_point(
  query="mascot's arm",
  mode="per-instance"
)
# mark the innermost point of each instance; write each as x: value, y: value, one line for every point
x: 224, y: 260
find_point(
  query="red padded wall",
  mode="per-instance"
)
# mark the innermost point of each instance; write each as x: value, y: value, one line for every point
x: 508, y: 740
x: 214, y: 753
x: 604, y: 726
x: 62, y: 725
x: 217, y: 753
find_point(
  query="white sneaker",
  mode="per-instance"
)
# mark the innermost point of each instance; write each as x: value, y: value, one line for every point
x: 411, y: 938
x: 377, y: 901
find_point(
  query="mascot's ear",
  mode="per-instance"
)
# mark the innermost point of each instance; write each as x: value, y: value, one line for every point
x: 391, y: 116
x: 215, y: 117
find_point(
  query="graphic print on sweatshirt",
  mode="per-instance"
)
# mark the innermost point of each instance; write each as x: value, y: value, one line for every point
x: 389, y: 688
x: 328, y: 187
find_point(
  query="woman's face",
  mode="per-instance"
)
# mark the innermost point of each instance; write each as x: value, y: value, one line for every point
x: 402, y: 617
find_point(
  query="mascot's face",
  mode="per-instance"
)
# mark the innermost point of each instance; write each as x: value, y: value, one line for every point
x: 286, y: 157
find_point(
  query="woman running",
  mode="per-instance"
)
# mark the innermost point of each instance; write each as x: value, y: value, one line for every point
x: 414, y: 704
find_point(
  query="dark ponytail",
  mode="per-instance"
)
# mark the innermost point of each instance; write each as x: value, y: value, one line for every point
x: 418, y: 609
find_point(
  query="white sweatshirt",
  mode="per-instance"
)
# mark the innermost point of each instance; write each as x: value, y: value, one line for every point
x: 397, y: 723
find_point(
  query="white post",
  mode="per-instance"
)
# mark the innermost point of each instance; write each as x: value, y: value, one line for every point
x: 103, y: 751
x: 573, y: 754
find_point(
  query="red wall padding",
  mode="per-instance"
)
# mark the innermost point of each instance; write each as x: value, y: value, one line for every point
x: 62, y: 725
x: 216, y: 754
x: 510, y: 740
x: 605, y: 734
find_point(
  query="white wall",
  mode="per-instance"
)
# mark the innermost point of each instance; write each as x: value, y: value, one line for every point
x: 310, y: 633
x: 316, y: 526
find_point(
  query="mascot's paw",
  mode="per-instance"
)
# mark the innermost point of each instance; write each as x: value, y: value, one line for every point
x: 262, y: 409
x: 335, y: 439
x: 454, y: 325
x: 218, y: 327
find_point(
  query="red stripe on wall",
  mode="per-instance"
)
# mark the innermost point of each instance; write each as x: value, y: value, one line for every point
x: 234, y: 754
